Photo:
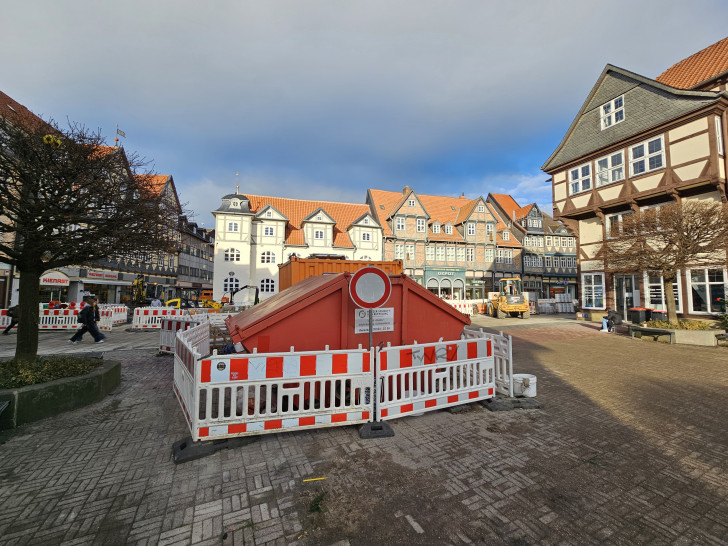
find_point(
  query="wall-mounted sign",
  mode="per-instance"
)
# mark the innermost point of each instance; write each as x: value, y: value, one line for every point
x: 54, y: 278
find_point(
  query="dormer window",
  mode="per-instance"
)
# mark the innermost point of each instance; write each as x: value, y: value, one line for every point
x: 268, y: 214
x: 612, y: 112
x: 319, y: 218
x: 235, y: 203
x: 448, y: 229
x: 366, y: 221
x: 435, y: 228
x: 506, y: 235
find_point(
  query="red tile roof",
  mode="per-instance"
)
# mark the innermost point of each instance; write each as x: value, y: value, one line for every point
x: 298, y: 209
x: 509, y: 206
x: 17, y: 113
x: 702, y: 66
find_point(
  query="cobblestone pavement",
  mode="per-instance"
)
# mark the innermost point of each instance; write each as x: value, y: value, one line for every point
x: 629, y: 448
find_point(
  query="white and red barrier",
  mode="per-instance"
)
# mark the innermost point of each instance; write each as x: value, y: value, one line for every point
x: 464, y: 306
x: 146, y: 318
x: 418, y: 378
x: 225, y: 396
x: 61, y: 319
x: 170, y: 326
x: 119, y: 312
x: 5, y: 319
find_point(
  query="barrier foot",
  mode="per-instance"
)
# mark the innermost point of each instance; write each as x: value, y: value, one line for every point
x: 188, y: 450
x: 369, y: 431
x: 507, y: 404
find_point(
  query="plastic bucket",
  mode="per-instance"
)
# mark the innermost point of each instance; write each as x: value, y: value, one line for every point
x: 524, y: 385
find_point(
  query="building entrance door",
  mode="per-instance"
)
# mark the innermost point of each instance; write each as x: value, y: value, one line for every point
x: 626, y: 288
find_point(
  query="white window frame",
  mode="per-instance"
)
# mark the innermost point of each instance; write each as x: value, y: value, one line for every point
x: 659, y: 288
x: 430, y: 253
x: 318, y: 234
x: 366, y: 236
x: 230, y: 283
x: 469, y: 254
x: 707, y: 283
x: 547, y: 261
x: 231, y: 255
x: 421, y: 226
x: 612, y: 112
x: 410, y: 202
x: 399, y: 223
x: 580, y: 179
x: 548, y: 240
x: 481, y: 208
x: 460, y: 254
x: 471, y: 228
x: 233, y: 227
x: 267, y: 257
x: 489, y: 255
x: 647, y: 156
x: 269, y: 214
x: 719, y: 135
x: 448, y: 229
x: 592, y: 294
x: 619, y: 217
x: 451, y: 254
x: 609, y: 169
x: 506, y: 235
x: 436, y: 227
x: 267, y: 286
x: 410, y: 252
x: 399, y: 252
x: 268, y: 231
x: 440, y: 253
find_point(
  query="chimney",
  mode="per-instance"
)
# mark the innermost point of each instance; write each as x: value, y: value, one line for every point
x: 405, y: 190
x: 462, y: 196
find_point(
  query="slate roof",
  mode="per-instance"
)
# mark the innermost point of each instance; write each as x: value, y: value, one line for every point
x: 698, y: 68
x: 647, y: 104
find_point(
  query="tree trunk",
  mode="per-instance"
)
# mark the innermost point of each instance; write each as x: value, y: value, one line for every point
x: 29, y: 299
x: 669, y: 295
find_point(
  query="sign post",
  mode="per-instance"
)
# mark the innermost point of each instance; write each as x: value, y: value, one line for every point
x: 370, y: 288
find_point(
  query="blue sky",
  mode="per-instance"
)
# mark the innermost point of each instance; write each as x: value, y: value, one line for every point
x: 321, y: 99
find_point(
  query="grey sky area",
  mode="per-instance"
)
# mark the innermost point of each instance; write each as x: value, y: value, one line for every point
x: 323, y: 99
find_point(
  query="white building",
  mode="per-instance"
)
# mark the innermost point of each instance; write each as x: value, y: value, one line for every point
x: 254, y: 234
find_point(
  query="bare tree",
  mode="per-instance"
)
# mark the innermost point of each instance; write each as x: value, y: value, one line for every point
x: 668, y: 239
x: 68, y: 199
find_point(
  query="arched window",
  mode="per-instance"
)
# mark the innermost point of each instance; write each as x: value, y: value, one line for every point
x: 267, y: 258
x: 267, y: 285
x: 232, y: 255
x: 230, y: 284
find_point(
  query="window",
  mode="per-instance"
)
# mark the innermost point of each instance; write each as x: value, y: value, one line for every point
x: 547, y: 260
x: 366, y: 236
x: 506, y: 236
x: 548, y: 240
x: 580, y: 179
x: 399, y: 223
x: 614, y: 223
x: 451, y: 254
x: 646, y: 156
x: 366, y: 221
x: 268, y: 230
x: 461, y: 254
x: 410, y: 252
x: 420, y: 225
x: 318, y: 234
x: 398, y: 252
x: 232, y: 255
x: 488, y: 254
x: 269, y: 214
x: 654, y: 286
x: 471, y: 228
x: 612, y: 112
x: 440, y: 253
x: 571, y: 262
x: 469, y: 255
x: 430, y: 253
x: 572, y: 242
x: 540, y: 242
x: 527, y: 261
x: 504, y: 256
x: 563, y: 263
x: 235, y: 203
x: 411, y: 203
x: 230, y: 284
x: 233, y: 226
x: 267, y: 285
x: 564, y: 242
x: 719, y: 136
x: 489, y: 231
x: 610, y: 169
x: 171, y: 262
x: 592, y: 290
x: 448, y: 229
x: 267, y: 258
x: 435, y: 228
x: 481, y: 208
x: 706, y: 290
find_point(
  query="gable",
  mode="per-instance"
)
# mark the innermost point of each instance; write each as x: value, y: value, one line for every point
x: 275, y: 214
x: 319, y: 216
x: 647, y: 104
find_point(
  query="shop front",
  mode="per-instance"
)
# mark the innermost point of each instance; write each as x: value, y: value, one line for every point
x: 477, y: 288
x: 54, y: 286
x: 445, y: 282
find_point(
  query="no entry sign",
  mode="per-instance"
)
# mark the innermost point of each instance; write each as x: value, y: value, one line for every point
x: 370, y: 287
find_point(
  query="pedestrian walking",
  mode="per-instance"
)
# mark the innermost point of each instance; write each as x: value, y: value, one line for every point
x: 89, y: 316
x: 14, y: 314
x: 156, y: 302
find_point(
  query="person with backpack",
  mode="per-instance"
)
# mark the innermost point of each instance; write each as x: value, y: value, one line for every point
x: 14, y: 314
x: 89, y: 316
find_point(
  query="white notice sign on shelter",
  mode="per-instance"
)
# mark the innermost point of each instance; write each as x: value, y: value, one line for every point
x: 382, y: 320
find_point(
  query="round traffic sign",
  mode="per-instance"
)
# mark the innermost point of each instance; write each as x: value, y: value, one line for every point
x: 370, y: 287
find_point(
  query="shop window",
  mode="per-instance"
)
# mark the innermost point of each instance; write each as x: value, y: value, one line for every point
x: 592, y: 290
x: 706, y: 290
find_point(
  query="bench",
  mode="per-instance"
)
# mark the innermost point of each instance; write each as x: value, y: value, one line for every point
x: 636, y: 331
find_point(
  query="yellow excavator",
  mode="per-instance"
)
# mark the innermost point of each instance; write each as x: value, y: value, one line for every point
x: 509, y: 300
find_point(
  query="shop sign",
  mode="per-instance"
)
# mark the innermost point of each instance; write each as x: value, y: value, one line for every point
x: 54, y: 278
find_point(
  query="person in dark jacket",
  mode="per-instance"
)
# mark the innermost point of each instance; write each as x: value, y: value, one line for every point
x: 611, y: 320
x: 89, y: 316
x: 14, y: 314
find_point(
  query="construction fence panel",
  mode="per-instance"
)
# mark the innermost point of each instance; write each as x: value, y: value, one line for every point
x: 170, y: 326
x: 502, y: 346
x: 119, y: 312
x: 425, y: 377
x: 5, y: 319
x: 151, y: 317
x: 190, y: 345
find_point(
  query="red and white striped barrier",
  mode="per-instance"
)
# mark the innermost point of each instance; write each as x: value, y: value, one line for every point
x: 502, y: 347
x: 419, y: 378
x: 119, y: 312
x: 151, y: 317
x: 61, y: 319
x: 224, y: 396
x: 5, y: 319
x: 170, y: 326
